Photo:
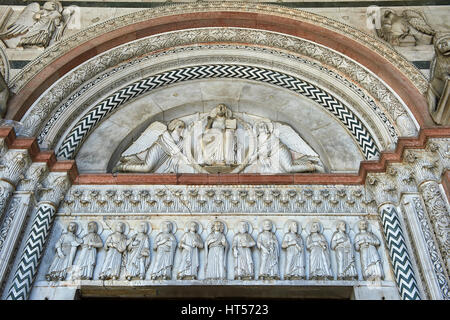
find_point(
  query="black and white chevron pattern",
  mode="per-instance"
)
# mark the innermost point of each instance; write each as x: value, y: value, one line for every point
x: 404, y: 273
x: 73, y: 140
x: 31, y: 256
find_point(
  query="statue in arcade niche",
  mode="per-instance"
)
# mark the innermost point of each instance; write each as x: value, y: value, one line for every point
x: 268, y: 245
x: 159, y: 149
x: 37, y: 26
x: 340, y: 243
x: 115, y: 246
x: 65, y: 248
x: 219, y: 141
x: 165, y: 245
x: 189, y: 245
x: 242, y: 253
x: 295, y: 257
x: 88, y: 255
x: 319, y: 258
x: 138, y: 253
x: 366, y: 244
x: 216, y: 246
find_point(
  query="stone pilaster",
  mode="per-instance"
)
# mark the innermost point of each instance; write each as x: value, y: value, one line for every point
x: 26, y: 271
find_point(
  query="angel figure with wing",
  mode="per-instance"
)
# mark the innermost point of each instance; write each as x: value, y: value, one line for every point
x: 38, y: 26
x: 281, y: 150
x: 159, y: 149
x: 396, y: 28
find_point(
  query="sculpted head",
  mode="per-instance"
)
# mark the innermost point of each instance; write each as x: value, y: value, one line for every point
x: 51, y: 6
x: 293, y: 226
x: 315, y: 227
x: 176, y: 127
x: 166, y: 226
x: 72, y: 227
x: 267, y: 225
x: 341, y: 226
x: 362, y: 224
x: 120, y: 227
x: 193, y: 227
x: 218, y: 226
x: 92, y: 227
x: 143, y: 227
x: 443, y: 44
x: 243, y: 227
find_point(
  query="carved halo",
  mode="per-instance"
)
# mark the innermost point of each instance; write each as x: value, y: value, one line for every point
x: 199, y: 226
x: 173, y: 225
x: 261, y: 225
x: 135, y: 226
x: 288, y: 223
x: 211, y: 225
x: 309, y: 225
x: 249, y: 226
x: 336, y: 225
x: 78, y: 230
x: 112, y: 226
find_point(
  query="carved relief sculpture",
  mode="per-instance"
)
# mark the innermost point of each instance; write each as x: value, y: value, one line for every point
x: 138, y: 253
x: 87, y: 259
x: 439, y: 86
x: 295, y: 258
x: 268, y: 245
x: 219, y: 142
x: 340, y: 243
x: 159, y: 149
x: 65, y: 248
x: 319, y: 258
x: 37, y: 26
x: 408, y: 29
x: 165, y: 245
x: 216, y: 246
x: 366, y: 244
x: 242, y: 253
x: 189, y: 245
x: 115, y: 246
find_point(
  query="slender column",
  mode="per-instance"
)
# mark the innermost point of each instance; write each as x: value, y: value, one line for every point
x: 14, y: 220
x: 31, y: 257
x: 398, y: 251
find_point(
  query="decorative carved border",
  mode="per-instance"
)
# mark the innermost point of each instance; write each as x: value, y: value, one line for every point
x: 59, y: 49
x: 74, y: 139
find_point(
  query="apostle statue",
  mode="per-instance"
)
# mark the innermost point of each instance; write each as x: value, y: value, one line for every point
x: 165, y: 245
x: 88, y: 255
x: 219, y: 140
x: 216, y: 246
x: 115, y: 246
x: 319, y: 258
x: 295, y: 258
x: 366, y: 244
x: 267, y: 243
x: 281, y: 150
x: 340, y: 243
x: 66, y: 248
x: 159, y: 149
x: 189, y: 245
x: 242, y: 253
x: 138, y: 253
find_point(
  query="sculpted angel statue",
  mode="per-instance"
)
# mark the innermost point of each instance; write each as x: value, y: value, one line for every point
x: 219, y: 140
x: 242, y: 253
x: 66, y: 248
x: 38, y: 26
x: 366, y: 244
x: 280, y: 150
x: 87, y: 259
x: 189, y: 244
x: 216, y: 246
x: 267, y: 243
x: 340, y: 243
x: 138, y: 253
x: 159, y: 149
x: 165, y: 245
x: 115, y: 246
x: 295, y: 258
x: 319, y: 258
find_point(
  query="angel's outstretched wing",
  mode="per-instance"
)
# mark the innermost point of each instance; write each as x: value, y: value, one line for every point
x: 23, y: 23
x: 147, y: 139
x: 66, y: 14
x: 418, y: 21
x: 292, y: 140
